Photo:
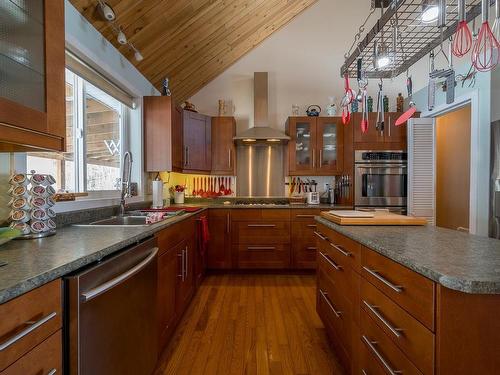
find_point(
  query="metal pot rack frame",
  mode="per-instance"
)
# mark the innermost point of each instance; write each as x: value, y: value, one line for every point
x: 415, y: 39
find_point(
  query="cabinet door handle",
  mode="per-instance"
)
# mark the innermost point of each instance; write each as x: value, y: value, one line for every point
x: 186, y: 155
x: 229, y: 158
x: 327, y: 300
x: 374, y: 311
x: 52, y: 372
x: 228, y: 223
x: 363, y: 371
x: 312, y: 248
x: 314, y: 157
x: 305, y: 216
x: 340, y: 249
x: 320, y: 158
x: 186, y: 262
x: 389, y: 125
x: 331, y: 262
x: 373, y: 349
x: 31, y: 327
x: 312, y: 226
x: 320, y: 235
x: 261, y: 225
x: 396, y: 288
x: 257, y: 248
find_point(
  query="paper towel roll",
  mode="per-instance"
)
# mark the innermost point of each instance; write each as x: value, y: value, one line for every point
x: 157, y: 194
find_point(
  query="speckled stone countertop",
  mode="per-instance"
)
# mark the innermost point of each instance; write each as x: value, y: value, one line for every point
x: 456, y: 260
x: 32, y: 263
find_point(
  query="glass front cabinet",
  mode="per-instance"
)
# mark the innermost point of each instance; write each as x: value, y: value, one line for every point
x: 316, y: 145
x: 32, y: 95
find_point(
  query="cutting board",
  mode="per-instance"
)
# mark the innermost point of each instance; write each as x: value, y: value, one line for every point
x: 378, y: 218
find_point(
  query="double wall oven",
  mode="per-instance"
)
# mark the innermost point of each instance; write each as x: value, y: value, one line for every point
x: 381, y: 180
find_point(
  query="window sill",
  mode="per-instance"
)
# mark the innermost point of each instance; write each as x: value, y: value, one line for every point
x: 93, y: 202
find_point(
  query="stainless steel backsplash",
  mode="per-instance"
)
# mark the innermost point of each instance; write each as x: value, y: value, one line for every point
x: 260, y: 170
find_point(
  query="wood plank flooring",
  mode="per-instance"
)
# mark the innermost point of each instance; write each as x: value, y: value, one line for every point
x: 251, y: 324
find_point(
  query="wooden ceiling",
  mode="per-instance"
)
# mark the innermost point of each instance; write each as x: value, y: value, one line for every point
x: 191, y: 41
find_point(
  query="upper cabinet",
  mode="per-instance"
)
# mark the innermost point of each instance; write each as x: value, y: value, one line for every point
x: 387, y: 137
x: 162, y: 134
x: 223, y: 148
x: 32, y: 93
x: 197, y: 142
x: 316, y: 146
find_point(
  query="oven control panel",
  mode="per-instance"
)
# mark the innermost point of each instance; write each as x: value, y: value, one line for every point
x: 380, y: 156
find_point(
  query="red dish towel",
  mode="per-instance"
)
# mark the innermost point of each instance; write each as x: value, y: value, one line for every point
x: 203, y: 235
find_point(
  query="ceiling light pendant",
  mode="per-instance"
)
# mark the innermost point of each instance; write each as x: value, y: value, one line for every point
x: 138, y: 56
x: 430, y: 11
x: 106, y: 11
x: 121, y: 37
x: 381, y: 55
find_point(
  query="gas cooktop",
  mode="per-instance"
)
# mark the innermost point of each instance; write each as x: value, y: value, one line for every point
x: 258, y: 202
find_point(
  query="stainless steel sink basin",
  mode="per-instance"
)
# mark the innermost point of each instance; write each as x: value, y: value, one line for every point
x: 118, y: 221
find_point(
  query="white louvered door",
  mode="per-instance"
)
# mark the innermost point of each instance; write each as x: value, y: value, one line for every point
x: 422, y: 168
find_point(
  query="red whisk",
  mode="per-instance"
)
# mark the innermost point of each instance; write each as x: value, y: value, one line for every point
x: 485, y: 51
x: 462, y: 42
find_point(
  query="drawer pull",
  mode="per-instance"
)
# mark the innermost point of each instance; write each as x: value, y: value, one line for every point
x: 32, y: 326
x: 312, y: 226
x: 373, y: 309
x: 340, y: 249
x: 363, y: 371
x: 305, y: 216
x: 312, y: 248
x: 331, y: 262
x: 52, y: 372
x: 320, y: 235
x: 371, y: 346
x: 261, y: 225
x: 327, y: 300
x: 261, y: 248
x: 396, y: 288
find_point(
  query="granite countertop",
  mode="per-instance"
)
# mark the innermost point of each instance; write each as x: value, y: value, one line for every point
x: 456, y: 260
x: 32, y: 263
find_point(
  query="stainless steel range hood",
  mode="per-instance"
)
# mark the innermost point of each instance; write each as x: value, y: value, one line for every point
x: 261, y: 131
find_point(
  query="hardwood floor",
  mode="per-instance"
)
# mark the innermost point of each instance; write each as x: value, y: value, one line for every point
x: 251, y: 324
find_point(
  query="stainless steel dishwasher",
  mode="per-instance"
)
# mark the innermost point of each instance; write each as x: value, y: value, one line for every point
x: 111, y: 309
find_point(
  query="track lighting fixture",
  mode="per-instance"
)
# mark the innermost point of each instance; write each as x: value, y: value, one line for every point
x: 106, y: 11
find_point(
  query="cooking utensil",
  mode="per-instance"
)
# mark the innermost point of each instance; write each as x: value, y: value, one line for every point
x: 229, y: 191
x: 292, y: 188
x: 194, y: 187
x: 485, y: 50
x: 380, y: 108
x: 412, y: 109
x: 450, y: 79
x: 431, y: 87
x: 364, y: 108
x: 462, y: 42
x: 496, y: 24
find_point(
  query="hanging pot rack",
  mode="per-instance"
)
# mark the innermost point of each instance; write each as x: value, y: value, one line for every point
x: 415, y: 39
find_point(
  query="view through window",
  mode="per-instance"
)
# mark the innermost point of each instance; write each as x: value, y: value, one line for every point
x: 94, y: 123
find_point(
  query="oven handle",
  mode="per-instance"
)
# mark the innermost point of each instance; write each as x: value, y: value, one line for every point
x: 87, y: 296
x: 381, y: 165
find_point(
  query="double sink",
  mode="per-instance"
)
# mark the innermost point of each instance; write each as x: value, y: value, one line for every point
x: 132, y: 219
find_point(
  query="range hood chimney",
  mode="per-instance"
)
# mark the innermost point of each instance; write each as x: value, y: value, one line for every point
x: 261, y: 131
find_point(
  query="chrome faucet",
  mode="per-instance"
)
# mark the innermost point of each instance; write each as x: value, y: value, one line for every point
x: 127, y: 173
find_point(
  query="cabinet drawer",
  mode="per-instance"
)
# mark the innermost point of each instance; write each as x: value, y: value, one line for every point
x: 303, y: 243
x: 411, y: 336
x: 251, y: 214
x: 45, y: 359
x: 304, y: 214
x: 337, y: 309
x: 381, y: 350
x: 259, y: 255
x: 171, y: 236
x: 338, y: 273
x: 28, y: 320
x: 408, y: 289
x: 259, y: 232
x: 349, y: 249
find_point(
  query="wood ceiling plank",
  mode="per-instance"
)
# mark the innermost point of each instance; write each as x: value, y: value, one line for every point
x: 212, y: 69
x: 192, y: 41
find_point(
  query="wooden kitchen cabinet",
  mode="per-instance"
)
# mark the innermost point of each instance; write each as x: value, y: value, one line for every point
x: 223, y: 148
x: 32, y: 93
x: 303, y: 240
x: 316, y: 146
x: 197, y: 142
x: 219, y: 247
x: 42, y: 305
x: 392, y: 137
x: 162, y: 134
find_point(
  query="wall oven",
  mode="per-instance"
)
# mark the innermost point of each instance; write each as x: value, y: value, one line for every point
x: 381, y: 179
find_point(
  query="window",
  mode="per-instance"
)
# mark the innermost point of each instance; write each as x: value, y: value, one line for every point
x: 94, y: 128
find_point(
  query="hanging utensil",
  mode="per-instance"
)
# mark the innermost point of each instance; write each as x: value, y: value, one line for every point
x: 412, y: 107
x: 194, y: 187
x: 229, y: 191
x: 450, y: 79
x: 431, y: 87
x: 364, y: 107
x: 496, y: 24
x: 349, y: 97
x: 380, y: 108
x: 462, y: 42
x: 485, y: 50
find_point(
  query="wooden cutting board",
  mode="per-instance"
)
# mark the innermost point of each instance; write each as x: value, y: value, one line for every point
x: 379, y: 218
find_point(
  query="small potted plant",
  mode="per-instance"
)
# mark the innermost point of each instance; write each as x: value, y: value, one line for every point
x: 178, y: 193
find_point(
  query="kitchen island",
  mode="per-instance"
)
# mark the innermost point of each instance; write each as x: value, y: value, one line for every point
x: 411, y: 299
